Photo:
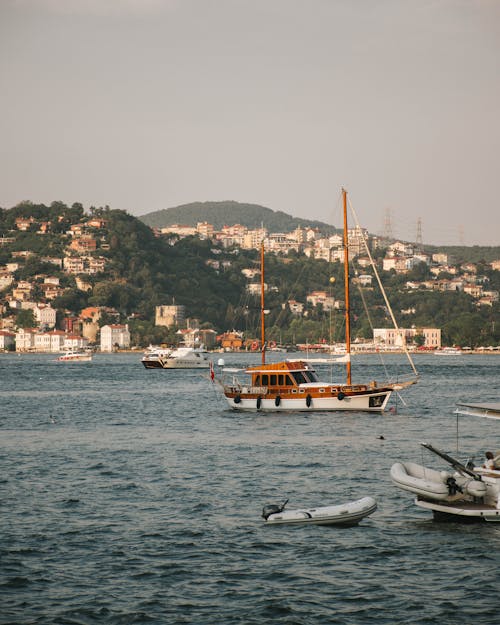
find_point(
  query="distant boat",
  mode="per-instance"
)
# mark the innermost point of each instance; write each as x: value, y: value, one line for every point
x: 449, y: 351
x: 154, y: 356
x: 75, y: 356
x: 187, y: 358
x: 294, y: 384
x: 180, y: 358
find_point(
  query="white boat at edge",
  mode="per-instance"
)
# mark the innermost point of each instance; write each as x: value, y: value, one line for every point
x: 467, y: 493
x: 346, y: 514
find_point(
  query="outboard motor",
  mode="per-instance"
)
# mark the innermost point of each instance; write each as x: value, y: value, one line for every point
x: 453, y: 487
x: 272, y: 509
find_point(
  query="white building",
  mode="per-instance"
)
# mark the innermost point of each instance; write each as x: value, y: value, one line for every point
x: 75, y: 342
x: 114, y: 336
x: 321, y: 297
x: 45, y: 316
x: 390, y: 337
x: 25, y: 340
x: 7, y: 339
x: 49, y: 341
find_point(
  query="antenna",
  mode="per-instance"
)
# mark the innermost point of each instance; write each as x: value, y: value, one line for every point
x: 388, y: 236
x: 418, y: 240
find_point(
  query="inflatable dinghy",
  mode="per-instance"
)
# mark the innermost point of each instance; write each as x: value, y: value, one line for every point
x: 346, y: 514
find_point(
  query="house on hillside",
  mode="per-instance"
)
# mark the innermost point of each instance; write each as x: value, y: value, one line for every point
x: 113, y: 337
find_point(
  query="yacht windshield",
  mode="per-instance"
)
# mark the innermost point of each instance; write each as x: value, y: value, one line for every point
x: 304, y: 377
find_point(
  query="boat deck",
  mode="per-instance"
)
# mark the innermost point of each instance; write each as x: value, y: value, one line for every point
x: 464, y: 509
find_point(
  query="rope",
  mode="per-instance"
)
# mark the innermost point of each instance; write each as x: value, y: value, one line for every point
x: 412, y: 364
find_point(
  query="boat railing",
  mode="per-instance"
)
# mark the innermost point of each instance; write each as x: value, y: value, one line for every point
x: 236, y: 387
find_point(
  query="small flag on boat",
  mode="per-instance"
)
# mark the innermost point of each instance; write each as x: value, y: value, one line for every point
x: 212, y: 372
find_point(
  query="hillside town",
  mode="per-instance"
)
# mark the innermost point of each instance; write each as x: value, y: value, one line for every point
x: 43, y: 328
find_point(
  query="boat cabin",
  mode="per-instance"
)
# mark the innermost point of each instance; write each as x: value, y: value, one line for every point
x: 283, y: 374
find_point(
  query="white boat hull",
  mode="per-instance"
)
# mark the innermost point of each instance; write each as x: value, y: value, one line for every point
x: 464, y: 510
x: 346, y: 514
x: 373, y: 402
x: 75, y: 358
x: 172, y: 363
x: 181, y: 358
x: 451, y: 495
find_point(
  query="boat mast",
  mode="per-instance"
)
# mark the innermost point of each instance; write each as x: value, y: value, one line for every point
x: 346, y: 291
x: 262, y: 314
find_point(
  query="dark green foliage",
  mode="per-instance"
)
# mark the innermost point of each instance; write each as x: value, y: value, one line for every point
x: 72, y: 300
x: 25, y: 319
x: 462, y: 254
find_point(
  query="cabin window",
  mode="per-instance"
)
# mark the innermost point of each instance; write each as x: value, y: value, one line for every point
x: 272, y: 379
x: 265, y: 379
x: 310, y: 376
x: 280, y: 379
x: 299, y: 377
x: 288, y: 381
x: 257, y: 380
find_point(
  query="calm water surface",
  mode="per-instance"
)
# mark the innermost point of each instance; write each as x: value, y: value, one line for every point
x: 134, y: 496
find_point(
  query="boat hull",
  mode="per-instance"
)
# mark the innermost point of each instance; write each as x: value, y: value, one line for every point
x: 309, y: 402
x: 344, y: 515
x: 172, y: 363
x: 463, y: 511
x: 75, y: 358
x: 152, y: 364
x: 450, y: 496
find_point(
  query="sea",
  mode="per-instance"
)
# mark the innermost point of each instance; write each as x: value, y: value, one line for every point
x: 134, y: 496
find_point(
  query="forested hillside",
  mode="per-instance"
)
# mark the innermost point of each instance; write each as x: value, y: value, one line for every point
x: 228, y: 213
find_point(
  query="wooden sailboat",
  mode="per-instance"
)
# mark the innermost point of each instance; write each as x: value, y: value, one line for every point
x: 294, y: 384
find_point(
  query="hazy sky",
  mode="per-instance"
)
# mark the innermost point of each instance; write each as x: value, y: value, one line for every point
x: 148, y: 104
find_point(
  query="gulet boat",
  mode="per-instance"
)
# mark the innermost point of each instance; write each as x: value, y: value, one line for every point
x: 295, y: 385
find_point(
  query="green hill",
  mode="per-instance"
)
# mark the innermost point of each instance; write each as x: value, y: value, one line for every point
x: 228, y: 213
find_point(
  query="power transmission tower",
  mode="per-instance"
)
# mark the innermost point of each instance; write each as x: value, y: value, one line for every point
x: 388, y: 236
x: 418, y: 241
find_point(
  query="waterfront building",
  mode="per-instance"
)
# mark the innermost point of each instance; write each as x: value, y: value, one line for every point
x: 116, y: 336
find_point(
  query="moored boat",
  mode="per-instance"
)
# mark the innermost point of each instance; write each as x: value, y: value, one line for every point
x: 187, y: 358
x: 75, y: 356
x: 346, y: 514
x: 449, y: 351
x: 295, y: 385
x: 468, y: 493
x: 154, y: 356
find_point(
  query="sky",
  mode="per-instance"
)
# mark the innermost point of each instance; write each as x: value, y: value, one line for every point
x: 147, y: 104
